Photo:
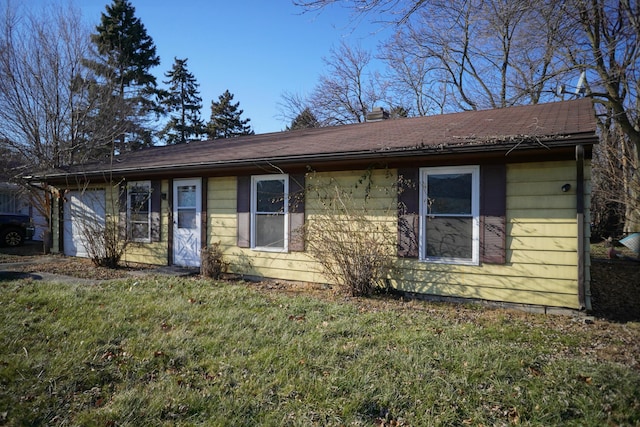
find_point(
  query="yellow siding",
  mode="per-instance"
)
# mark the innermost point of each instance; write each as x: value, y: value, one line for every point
x: 221, y: 212
x: 155, y: 252
x: 298, y: 266
x: 222, y: 226
x: 542, y: 242
x: 541, y: 263
x: 541, y: 267
x: 380, y: 194
x: 542, y: 245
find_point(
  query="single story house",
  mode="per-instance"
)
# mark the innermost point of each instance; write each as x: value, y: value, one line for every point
x: 490, y: 205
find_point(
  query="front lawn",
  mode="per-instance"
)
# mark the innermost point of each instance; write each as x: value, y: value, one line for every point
x: 176, y: 351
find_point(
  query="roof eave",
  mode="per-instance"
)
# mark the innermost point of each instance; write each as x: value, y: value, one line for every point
x: 464, y: 147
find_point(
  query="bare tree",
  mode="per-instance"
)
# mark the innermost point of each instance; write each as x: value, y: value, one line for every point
x: 411, y: 77
x: 606, y: 46
x: 345, y: 93
x: 497, y: 53
x: 394, y: 11
x: 292, y: 105
x: 611, y: 157
x: 484, y: 53
x: 465, y: 54
x: 48, y: 98
x: 40, y: 58
x: 40, y: 65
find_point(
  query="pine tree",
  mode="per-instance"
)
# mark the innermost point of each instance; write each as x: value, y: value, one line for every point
x: 225, y: 119
x: 126, y: 53
x: 183, y: 103
x: 306, y: 119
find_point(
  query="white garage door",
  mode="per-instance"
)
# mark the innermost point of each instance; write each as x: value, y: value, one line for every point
x: 84, y: 214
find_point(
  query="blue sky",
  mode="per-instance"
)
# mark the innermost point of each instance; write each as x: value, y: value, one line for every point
x: 258, y: 49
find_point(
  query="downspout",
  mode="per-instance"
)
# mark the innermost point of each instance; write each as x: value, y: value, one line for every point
x: 584, y: 295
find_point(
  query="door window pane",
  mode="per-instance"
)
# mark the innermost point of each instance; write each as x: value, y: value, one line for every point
x: 187, y: 219
x: 187, y: 196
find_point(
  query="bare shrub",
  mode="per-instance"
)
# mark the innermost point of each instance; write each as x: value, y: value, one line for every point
x: 104, y: 247
x: 212, y: 263
x: 103, y: 236
x: 349, y: 237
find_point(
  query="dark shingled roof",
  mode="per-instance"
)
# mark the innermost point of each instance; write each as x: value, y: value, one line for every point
x: 553, y: 124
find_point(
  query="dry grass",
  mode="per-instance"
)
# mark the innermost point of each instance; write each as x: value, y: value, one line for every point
x: 171, y: 351
x: 615, y: 283
x: 188, y: 351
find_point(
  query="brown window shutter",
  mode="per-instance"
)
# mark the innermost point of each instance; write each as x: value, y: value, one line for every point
x: 156, y: 202
x: 408, y: 212
x: 296, y: 212
x: 243, y: 209
x: 122, y: 210
x: 493, y: 207
x: 204, y: 208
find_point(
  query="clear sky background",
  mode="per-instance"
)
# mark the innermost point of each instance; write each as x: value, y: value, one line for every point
x: 258, y: 49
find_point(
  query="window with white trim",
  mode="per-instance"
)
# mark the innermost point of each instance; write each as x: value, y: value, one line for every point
x: 450, y: 214
x: 269, y: 212
x: 139, y: 211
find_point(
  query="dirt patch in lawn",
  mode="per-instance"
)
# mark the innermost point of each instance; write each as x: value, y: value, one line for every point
x: 29, y: 258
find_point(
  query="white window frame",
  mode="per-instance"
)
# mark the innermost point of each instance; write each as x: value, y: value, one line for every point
x: 475, y: 213
x: 130, y: 186
x: 255, y: 179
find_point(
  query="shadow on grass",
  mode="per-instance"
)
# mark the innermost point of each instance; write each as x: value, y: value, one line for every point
x: 615, y: 289
x: 7, y: 276
x: 30, y: 248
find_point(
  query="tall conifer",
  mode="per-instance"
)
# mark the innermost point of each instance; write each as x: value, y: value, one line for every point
x: 125, y: 54
x: 225, y: 119
x: 183, y: 103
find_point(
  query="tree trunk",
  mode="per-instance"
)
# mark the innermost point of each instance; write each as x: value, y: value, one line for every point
x: 632, y: 192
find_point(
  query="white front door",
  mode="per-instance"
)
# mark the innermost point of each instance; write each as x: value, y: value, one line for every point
x: 84, y: 220
x: 187, y: 204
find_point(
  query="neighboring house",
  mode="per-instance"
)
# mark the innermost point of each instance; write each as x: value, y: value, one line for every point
x: 498, y: 209
x: 14, y: 201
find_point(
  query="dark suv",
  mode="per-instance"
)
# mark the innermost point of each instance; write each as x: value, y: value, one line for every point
x: 15, y: 229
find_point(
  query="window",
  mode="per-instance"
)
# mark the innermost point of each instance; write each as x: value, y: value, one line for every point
x: 139, y: 211
x: 269, y: 212
x: 449, y: 215
x: 9, y: 201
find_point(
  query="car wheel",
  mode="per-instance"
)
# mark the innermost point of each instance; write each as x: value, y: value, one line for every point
x: 12, y: 237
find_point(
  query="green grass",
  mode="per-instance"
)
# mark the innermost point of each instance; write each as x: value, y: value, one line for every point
x: 167, y: 351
